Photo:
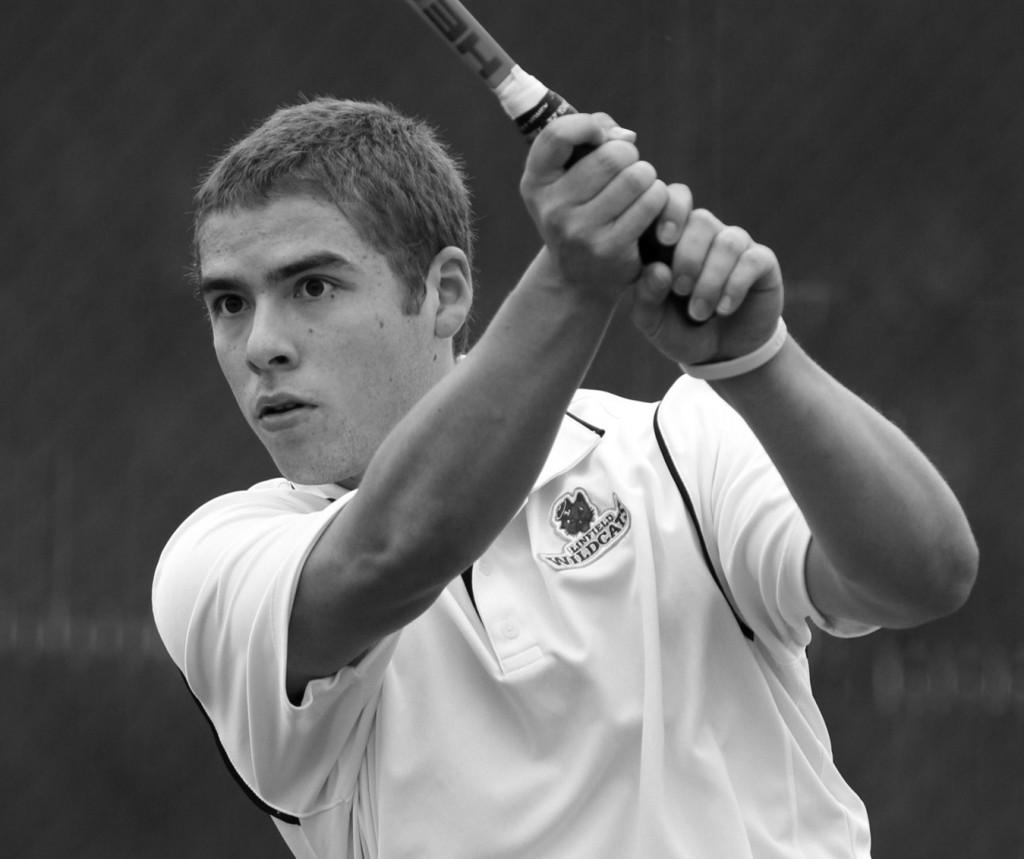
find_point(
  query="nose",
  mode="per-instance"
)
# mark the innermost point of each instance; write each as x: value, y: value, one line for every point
x: 270, y: 345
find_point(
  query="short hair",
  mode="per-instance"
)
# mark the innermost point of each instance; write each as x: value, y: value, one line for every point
x: 390, y: 174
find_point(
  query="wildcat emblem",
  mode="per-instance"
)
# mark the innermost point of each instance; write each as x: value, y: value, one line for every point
x: 590, y: 532
x: 574, y: 513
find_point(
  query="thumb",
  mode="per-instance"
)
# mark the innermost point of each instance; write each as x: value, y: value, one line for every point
x: 561, y: 142
x: 650, y: 294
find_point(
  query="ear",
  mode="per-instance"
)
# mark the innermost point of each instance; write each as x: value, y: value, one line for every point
x: 450, y: 277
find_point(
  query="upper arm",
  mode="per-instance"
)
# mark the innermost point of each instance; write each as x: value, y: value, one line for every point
x: 839, y: 598
x: 222, y: 599
x: 331, y: 620
x: 830, y: 593
x: 351, y: 593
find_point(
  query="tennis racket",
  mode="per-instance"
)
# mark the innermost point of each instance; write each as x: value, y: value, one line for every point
x: 529, y: 103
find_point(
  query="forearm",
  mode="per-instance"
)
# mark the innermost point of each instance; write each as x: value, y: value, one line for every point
x: 891, y: 544
x: 455, y: 470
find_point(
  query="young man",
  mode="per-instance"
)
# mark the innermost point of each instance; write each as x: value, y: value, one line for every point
x: 620, y: 669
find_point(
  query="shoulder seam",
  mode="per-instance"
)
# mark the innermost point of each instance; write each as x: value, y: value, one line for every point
x: 263, y: 806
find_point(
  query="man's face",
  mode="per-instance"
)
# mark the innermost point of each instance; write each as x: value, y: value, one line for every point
x: 309, y: 330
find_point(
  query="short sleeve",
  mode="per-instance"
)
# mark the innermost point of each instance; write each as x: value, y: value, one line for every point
x: 756, y: 535
x: 222, y: 598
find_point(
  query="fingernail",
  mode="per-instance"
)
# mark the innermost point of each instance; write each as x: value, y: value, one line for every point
x: 656, y: 286
x: 667, y: 232
x: 700, y: 309
x: 618, y: 133
x: 725, y: 305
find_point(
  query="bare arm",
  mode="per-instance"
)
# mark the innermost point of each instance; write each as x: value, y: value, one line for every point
x: 890, y: 543
x: 453, y: 471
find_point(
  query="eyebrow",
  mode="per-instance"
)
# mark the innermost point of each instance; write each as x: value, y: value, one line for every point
x: 319, y: 259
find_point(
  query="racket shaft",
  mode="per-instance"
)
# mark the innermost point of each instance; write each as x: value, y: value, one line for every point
x: 467, y: 37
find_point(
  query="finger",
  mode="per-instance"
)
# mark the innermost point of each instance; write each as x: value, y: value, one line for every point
x: 604, y: 167
x: 726, y: 249
x: 612, y: 131
x: 692, y: 248
x: 756, y: 263
x: 593, y: 199
x: 622, y: 191
x: 674, y: 216
x: 649, y: 298
x: 554, y: 146
x: 641, y: 214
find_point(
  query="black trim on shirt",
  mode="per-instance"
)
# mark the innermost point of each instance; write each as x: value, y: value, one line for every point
x: 283, y: 816
x: 589, y: 426
x: 467, y: 578
x: 688, y: 503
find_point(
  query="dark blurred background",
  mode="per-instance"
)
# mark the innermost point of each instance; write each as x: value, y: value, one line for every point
x: 876, y: 146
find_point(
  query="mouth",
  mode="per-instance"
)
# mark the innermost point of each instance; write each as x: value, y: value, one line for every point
x: 280, y: 411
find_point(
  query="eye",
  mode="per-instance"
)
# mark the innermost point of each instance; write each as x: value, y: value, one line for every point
x: 228, y: 305
x: 312, y: 288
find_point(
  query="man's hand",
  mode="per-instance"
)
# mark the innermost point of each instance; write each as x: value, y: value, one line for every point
x: 720, y: 277
x: 591, y: 215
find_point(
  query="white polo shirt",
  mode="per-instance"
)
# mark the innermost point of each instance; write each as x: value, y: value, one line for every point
x: 613, y: 697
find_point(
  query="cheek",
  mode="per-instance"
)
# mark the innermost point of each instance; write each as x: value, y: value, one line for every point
x: 386, y: 334
x: 226, y: 352
x: 231, y: 360
x: 405, y: 345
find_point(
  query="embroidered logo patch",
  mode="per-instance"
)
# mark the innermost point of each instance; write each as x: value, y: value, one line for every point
x: 590, y: 532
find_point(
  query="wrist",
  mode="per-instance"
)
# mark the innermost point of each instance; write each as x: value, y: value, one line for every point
x: 716, y: 371
x: 545, y: 277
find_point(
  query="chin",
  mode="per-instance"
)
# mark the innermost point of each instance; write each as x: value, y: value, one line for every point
x: 309, y: 474
x: 308, y: 477
x: 313, y: 462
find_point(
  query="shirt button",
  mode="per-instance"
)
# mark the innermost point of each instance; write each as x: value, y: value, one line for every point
x: 511, y: 630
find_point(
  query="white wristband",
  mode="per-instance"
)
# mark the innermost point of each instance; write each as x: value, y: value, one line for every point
x: 744, y: 364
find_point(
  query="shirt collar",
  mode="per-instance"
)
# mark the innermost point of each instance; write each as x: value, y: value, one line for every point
x: 576, y: 438
x: 330, y: 491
